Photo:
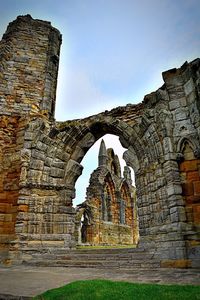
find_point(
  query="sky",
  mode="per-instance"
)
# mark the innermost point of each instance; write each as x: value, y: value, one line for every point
x: 113, y: 52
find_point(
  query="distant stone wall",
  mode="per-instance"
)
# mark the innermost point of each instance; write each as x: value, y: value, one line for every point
x: 40, y: 159
x: 113, y: 235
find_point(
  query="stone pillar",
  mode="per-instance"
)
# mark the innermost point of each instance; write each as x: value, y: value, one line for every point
x: 29, y: 55
x: 29, y: 65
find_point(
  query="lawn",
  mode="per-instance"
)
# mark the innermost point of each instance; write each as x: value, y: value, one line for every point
x: 110, y: 290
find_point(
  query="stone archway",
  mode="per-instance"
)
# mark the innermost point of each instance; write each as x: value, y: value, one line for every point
x: 96, y: 128
x: 83, y: 223
x: 60, y: 149
x: 36, y: 195
x: 144, y: 162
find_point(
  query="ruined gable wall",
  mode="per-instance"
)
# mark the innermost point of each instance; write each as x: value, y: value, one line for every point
x: 104, y: 195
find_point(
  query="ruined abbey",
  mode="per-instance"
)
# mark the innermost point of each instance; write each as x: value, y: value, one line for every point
x: 40, y: 158
x: 109, y: 214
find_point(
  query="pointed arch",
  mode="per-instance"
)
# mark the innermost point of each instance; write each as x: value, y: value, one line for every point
x: 126, y: 203
x: 188, y: 148
x: 83, y: 223
x: 108, y: 197
x: 193, y: 144
x: 85, y: 136
x: 114, y: 164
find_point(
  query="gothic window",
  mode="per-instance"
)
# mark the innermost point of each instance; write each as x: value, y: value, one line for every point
x: 113, y: 168
x: 86, y: 223
x: 107, y: 199
x: 125, y: 205
x: 84, y: 226
x: 188, y: 152
x: 122, y: 212
x: 106, y: 207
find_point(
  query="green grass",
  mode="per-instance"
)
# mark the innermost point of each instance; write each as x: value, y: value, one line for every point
x: 110, y: 290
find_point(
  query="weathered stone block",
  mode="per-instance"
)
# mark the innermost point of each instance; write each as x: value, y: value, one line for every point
x: 196, y: 214
x: 23, y: 208
x: 177, y: 214
x: 181, y: 114
x: 188, y: 188
x: 58, y: 163
x: 197, y: 187
x: 176, y: 263
x: 189, y: 86
x: 38, y: 154
x: 37, y: 164
x: 56, y: 172
x: 187, y: 166
x: 41, y: 146
x: 174, y: 189
x: 167, y: 144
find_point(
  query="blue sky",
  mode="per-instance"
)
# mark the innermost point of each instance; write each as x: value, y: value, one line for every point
x: 113, y: 51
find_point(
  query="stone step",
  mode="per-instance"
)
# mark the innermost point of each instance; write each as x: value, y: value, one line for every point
x: 88, y: 251
x: 107, y: 250
x: 92, y: 252
x: 98, y: 256
x: 94, y: 263
x: 88, y: 258
x: 91, y: 258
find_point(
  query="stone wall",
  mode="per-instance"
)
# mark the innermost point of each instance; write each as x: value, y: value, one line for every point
x: 37, y: 185
x: 189, y: 167
x: 11, y: 136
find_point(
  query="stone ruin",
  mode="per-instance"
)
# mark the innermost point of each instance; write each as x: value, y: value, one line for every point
x: 108, y: 216
x: 40, y: 158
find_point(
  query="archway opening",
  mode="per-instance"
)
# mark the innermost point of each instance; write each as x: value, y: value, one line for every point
x: 90, y: 163
x: 106, y: 188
